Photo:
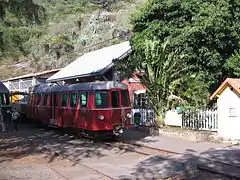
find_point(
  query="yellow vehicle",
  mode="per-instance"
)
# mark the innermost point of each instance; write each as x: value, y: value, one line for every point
x: 19, y: 101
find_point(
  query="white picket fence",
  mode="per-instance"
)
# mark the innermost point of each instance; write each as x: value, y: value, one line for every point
x: 202, y: 119
x: 199, y: 120
x: 146, y: 116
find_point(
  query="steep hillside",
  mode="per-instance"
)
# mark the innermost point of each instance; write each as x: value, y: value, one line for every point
x: 71, y: 28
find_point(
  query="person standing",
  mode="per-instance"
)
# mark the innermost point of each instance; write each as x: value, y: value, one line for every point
x: 2, y: 121
x: 15, y: 117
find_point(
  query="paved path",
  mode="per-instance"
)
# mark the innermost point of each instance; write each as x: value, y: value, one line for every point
x: 171, y: 144
x: 192, y: 154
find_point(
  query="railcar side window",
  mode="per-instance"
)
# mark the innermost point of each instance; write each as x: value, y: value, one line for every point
x: 7, y: 99
x: 1, y: 99
x: 115, y: 99
x: 84, y: 99
x: 64, y: 100
x: 4, y: 99
x: 101, y: 99
x: 125, y: 98
x: 45, y: 99
x: 73, y: 100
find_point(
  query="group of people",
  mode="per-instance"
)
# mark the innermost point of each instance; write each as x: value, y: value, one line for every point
x: 14, y: 119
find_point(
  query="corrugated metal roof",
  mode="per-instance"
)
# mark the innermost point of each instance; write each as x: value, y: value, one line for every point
x: 92, y: 63
x: 32, y: 75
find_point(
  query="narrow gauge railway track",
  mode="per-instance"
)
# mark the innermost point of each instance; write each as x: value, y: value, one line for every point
x: 148, y: 151
x: 86, y: 166
x: 48, y: 151
x: 141, y: 149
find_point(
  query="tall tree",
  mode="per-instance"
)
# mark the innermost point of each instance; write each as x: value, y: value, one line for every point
x: 205, y: 32
x: 162, y: 72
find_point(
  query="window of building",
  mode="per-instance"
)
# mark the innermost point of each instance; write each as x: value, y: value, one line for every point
x: 115, y: 99
x: 73, y: 100
x: 45, y: 99
x: 125, y: 98
x: 84, y: 99
x: 101, y: 99
x: 233, y: 112
x: 140, y: 100
x: 64, y: 100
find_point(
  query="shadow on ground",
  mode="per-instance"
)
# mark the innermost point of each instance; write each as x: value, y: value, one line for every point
x: 31, y: 140
x: 187, y: 165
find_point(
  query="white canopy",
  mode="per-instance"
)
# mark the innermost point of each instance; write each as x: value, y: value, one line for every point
x: 91, y: 63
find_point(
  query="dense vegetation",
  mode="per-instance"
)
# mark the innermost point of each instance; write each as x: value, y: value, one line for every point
x: 202, y: 36
x: 185, y: 48
x: 45, y: 34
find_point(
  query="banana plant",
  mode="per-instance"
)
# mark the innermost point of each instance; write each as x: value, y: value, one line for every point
x: 162, y: 72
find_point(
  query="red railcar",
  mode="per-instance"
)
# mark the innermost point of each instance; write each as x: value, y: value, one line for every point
x: 92, y: 108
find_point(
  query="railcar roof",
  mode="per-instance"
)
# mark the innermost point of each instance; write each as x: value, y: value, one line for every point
x: 100, y: 85
x: 3, y: 88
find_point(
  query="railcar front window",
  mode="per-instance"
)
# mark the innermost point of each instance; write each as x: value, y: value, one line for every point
x: 64, y: 100
x: 73, y: 100
x: 115, y: 99
x: 125, y: 98
x: 101, y: 99
x: 84, y: 99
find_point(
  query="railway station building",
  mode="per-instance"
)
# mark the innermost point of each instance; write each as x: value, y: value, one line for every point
x: 98, y: 65
x: 24, y: 82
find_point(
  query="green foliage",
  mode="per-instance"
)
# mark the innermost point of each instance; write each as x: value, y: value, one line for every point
x: 162, y: 72
x: 65, y: 25
x: 205, y: 32
x: 14, y: 13
x: 26, y: 9
x: 59, y: 39
x: 233, y: 64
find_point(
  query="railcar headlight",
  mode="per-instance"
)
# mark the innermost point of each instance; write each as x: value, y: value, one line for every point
x: 101, y: 117
x: 129, y: 115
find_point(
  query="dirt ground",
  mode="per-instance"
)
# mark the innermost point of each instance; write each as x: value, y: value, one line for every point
x: 37, y: 154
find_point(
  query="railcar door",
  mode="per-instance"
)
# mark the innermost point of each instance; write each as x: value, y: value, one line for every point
x: 70, y: 110
x: 37, y: 107
x: 62, y: 110
x: 84, y: 103
x: 126, y: 108
x: 116, y: 119
x: 53, y: 104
